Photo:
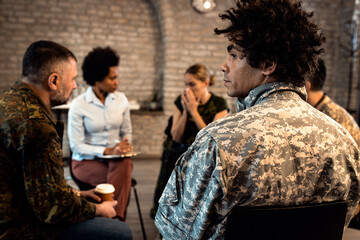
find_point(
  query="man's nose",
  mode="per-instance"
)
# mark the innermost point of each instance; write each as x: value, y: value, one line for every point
x: 224, y: 68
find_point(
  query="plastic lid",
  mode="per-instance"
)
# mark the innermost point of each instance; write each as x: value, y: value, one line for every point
x: 104, y: 188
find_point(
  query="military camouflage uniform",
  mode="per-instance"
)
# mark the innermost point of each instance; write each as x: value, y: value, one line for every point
x: 35, y: 201
x: 277, y: 150
x: 340, y: 115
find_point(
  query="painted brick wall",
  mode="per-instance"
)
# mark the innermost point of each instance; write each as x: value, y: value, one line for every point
x: 128, y: 26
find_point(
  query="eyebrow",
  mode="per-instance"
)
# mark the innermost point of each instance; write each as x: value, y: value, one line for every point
x: 230, y: 47
x: 234, y: 47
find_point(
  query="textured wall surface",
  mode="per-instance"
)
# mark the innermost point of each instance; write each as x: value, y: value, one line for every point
x: 157, y: 40
x: 129, y: 26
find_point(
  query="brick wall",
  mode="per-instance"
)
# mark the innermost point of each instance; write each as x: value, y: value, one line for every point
x: 157, y: 40
x: 129, y: 26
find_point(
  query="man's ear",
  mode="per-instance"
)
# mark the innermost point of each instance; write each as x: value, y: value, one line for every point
x: 307, y: 85
x: 207, y: 82
x: 53, y: 81
x: 269, y: 67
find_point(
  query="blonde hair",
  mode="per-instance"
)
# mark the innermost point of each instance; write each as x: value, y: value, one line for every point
x: 201, y: 73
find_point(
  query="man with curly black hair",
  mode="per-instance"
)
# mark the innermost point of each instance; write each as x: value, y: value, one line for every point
x: 99, y: 124
x: 277, y: 150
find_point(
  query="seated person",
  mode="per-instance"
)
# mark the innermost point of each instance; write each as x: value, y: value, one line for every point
x: 97, y: 119
x: 35, y: 200
x: 195, y: 108
x: 319, y: 100
x: 277, y: 150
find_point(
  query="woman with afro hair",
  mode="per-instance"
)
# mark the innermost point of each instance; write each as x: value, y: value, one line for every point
x: 99, y: 124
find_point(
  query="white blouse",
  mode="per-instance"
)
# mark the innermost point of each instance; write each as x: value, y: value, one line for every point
x: 93, y: 126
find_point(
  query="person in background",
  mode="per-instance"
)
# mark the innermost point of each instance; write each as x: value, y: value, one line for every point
x: 35, y: 200
x: 195, y: 108
x: 277, y: 149
x: 99, y: 124
x: 319, y: 100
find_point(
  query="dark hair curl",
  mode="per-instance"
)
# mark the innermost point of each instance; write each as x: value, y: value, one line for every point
x: 275, y: 30
x: 97, y: 63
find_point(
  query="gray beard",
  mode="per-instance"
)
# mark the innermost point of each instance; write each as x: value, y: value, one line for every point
x: 58, y: 98
x: 57, y: 102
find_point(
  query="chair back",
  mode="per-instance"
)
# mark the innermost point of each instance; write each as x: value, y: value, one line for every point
x: 307, y: 222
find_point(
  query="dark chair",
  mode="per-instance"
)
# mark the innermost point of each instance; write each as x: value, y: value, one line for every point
x: 85, y: 186
x: 309, y: 222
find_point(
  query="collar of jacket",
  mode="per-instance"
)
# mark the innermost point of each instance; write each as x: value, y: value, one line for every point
x: 34, y: 100
x: 259, y: 93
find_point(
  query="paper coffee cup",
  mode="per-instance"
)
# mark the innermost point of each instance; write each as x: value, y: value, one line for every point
x: 105, y: 191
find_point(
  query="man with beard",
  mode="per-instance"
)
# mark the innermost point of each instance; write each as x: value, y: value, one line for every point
x: 35, y: 201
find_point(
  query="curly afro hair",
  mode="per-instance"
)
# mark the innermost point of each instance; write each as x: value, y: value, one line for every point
x: 97, y: 63
x: 275, y: 30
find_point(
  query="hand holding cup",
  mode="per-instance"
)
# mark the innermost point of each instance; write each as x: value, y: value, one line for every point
x: 105, y: 191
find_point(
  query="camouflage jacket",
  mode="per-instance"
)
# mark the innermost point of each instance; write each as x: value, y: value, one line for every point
x: 277, y: 150
x: 35, y: 201
x: 340, y: 115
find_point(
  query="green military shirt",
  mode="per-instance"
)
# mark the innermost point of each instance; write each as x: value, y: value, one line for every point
x: 340, y: 115
x: 35, y: 201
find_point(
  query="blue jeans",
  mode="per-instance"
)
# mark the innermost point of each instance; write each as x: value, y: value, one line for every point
x: 98, y: 228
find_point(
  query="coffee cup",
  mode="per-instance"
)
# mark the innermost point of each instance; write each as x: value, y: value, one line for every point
x: 105, y: 191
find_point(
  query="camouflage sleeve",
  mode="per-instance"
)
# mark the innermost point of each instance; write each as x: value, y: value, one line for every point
x: 187, y: 202
x: 340, y: 115
x: 47, y: 192
x: 351, y: 125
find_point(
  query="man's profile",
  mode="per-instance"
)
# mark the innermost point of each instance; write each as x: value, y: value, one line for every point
x: 35, y: 200
x: 277, y: 149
